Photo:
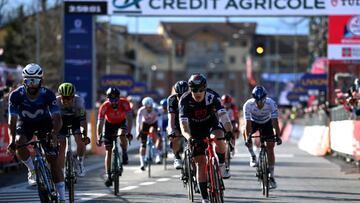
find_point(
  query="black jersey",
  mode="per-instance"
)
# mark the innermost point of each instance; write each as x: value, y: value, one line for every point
x: 200, y: 114
x: 173, y: 107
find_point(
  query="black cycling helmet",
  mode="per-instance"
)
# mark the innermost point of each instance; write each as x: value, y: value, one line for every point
x: 259, y: 93
x: 197, y: 81
x: 112, y: 93
x: 181, y: 87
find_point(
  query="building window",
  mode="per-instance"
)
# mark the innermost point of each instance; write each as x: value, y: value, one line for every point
x: 232, y: 59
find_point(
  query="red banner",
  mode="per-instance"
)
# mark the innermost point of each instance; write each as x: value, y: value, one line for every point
x: 4, y: 142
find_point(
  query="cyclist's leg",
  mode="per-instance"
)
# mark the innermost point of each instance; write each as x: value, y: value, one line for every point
x: 253, y: 127
x: 267, y: 131
x: 79, y: 142
x: 142, y: 149
x: 23, y: 153
x: 220, y: 151
x: 176, y: 146
x: 124, y: 142
x: 201, y: 171
x: 108, y: 141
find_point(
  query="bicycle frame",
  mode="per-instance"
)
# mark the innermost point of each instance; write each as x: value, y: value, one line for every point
x: 70, y: 165
x: 149, y: 152
x: 116, y: 163
x: 46, y: 187
x: 215, y: 181
x: 262, y: 169
x: 188, y: 173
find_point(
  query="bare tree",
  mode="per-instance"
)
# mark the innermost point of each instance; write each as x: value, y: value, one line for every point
x: 2, y: 5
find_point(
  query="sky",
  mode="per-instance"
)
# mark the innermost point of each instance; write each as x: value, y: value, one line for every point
x: 265, y: 25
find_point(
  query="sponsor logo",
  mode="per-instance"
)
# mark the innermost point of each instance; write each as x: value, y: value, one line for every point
x: 354, y: 25
x: 32, y: 115
x: 346, y: 52
x: 127, y: 6
x: 77, y: 29
x: 201, y: 113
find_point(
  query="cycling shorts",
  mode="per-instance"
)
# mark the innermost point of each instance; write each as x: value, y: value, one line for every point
x: 145, y: 130
x: 202, y: 132
x: 111, y: 130
x: 265, y: 130
x: 75, y: 126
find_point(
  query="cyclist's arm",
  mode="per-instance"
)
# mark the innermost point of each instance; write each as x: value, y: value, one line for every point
x: 247, y: 118
x: 248, y: 128
x: 57, y: 122
x: 225, y: 120
x: 185, y: 128
x: 13, y: 117
x: 275, y: 125
x: 139, y: 121
x: 171, y: 122
x: 82, y: 116
x: 274, y: 118
x: 99, y: 126
x: 129, y: 121
x: 55, y: 114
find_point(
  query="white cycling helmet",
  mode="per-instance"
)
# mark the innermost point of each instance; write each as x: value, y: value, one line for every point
x: 148, y: 102
x: 32, y: 70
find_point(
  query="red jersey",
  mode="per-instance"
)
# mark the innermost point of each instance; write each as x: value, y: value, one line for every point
x: 233, y: 112
x: 114, y: 116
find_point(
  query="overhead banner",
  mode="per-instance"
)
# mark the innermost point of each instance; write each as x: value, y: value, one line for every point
x: 78, y: 55
x: 344, y: 37
x: 233, y: 7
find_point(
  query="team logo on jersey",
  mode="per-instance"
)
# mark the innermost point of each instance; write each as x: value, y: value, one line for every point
x: 200, y: 113
x: 32, y: 115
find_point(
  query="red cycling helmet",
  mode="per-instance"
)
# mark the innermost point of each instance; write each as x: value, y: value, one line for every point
x: 226, y: 99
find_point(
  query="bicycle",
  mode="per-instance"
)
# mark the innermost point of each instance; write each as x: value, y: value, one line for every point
x: 149, y: 151
x: 164, y: 149
x: 215, y: 185
x: 71, y: 166
x: 188, y: 172
x: 262, y: 168
x: 116, y: 163
x: 46, y: 187
x: 229, y: 149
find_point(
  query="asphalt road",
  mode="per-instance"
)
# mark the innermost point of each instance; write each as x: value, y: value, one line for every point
x: 300, y: 178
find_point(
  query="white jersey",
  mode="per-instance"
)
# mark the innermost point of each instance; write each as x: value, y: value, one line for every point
x: 253, y: 113
x: 143, y: 116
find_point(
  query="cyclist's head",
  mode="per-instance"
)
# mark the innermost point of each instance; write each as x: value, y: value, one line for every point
x: 32, y: 77
x: 226, y: 100
x: 181, y: 87
x: 163, y: 103
x: 66, y: 91
x: 259, y: 94
x: 197, y: 85
x: 148, y: 102
x: 113, y: 94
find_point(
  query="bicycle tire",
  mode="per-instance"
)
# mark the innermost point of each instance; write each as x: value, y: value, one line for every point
x: 46, y: 187
x: 40, y: 184
x: 216, y: 193
x: 116, y: 171
x: 190, y: 184
x: 266, y: 174
x: 70, y: 176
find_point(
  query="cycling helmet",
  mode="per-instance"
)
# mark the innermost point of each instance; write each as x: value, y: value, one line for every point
x: 112, y: 93
x: 259, y: 93
x: 197, y: 81
x: 163, y: 103
x: 66, y: 89
x: 226, y: 99
x: 32, y: 70
x: 181, y: 87
x: 148, y: 102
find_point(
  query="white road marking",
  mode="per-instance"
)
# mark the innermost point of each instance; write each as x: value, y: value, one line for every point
x: 163, y: 179
x: 276, y: 155
x: 176, y: 176
x: 147, y: 183
x: 128, y: 188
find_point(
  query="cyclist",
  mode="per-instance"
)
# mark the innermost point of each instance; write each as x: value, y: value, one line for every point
x: 200, y: 113
x: 115, y: 113
x: 34, y: 108
x: 228, y: 102
x: 174, y: 126
x: 73, y: 113
x: 261, y: 113
x: 147, y: 118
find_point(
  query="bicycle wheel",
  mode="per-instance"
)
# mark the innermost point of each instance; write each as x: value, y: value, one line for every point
x: 116, y: 171
x: 70, y: 176
x: 46, y: 187
x: 215, y: 183
x: 188, y: 170
x: 264, y: 174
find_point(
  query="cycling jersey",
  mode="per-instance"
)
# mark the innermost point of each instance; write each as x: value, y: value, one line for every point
x: 143, y: 116
x: 114, y: 116
x: 33, y: 110
x: 261, y: 116
x: 233, y: 112
x: 200, y: 115
x: 173, y: 107
x: 77, y: 110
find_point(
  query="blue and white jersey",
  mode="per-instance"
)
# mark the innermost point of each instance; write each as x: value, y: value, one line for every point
x: 33, y: 110
x: 253, y: 113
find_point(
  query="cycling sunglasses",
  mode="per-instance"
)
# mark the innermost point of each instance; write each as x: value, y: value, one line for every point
x: 67, y: 98
x: 113, y: 100
x: 32, y: 81
x: 197, y: 90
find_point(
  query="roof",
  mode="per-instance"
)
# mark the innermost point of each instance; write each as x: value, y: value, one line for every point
x: 184, y: 30
x: 154, y: 42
